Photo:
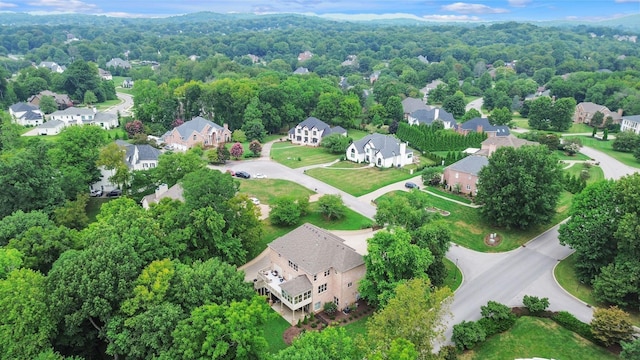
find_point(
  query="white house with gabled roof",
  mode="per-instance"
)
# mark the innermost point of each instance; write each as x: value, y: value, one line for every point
x: 380, y: 150
x: 312, y: 130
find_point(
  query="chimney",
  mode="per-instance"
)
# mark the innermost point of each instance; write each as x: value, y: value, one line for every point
x: 479, y: 128
x: 620, y: 111
x: 225, y: 126
x: 403, y: 148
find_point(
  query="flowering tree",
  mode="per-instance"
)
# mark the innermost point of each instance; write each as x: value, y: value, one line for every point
x: 237, y: 150
x: 134, y: 127
x: 255, y: 147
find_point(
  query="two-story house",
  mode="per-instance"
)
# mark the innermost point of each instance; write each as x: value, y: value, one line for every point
x: 196, y: 131
x: 136, y: 157
x: 428, y: 117
x: 85, y: 116
x: 118, y: 63
x: 630, y: 123
x: 312, y: 130
x: 585, y: 111
x: 380, y: 150
x: 54, y: 67
x: 410, y: 105
x: 26, y: 114
x: 309, y: 267
x: 462, y: 176
x: 62, y: 100
x: 482, y: 125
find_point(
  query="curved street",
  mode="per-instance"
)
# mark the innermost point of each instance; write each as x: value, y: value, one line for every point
x: 503, y: 277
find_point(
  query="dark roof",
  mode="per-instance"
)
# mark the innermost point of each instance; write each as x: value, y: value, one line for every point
x: 315, y: 250
x: 472, y: 125
x: 634, y: 118
x: 196, y: 124
x: 410, y: 105
x: 387, y: 145
x: 335, y: 130
x: 470, y: 164
x: 312, y: 122
x: 31, y: 115
x: 145, y: 152
x: 429, y: 116
x: 22, y: 106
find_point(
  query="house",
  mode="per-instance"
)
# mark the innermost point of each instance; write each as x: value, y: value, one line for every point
x: 462, y: 175
x: 51, y: 127
x: 312, y: 130
x: 26, y: 114
x: 630, y: 123
x: 490, y: 145
x: 350, y: 61
x: 423, y: 59
x: 118, y: 63
x: 410, y: 105
x: 127, y: 83
x: 301, y: 71
x: 427, y: 117
x: 62, y: 100
x: 482, y: 125
x: 52, y: 66
x: 309, y: 267
x: 85, y: 116
x: 163, y: 191
x: 136, y: 157
x: 380, y: 150
x: 374, y: 76
x: 105, y: 75
x: 197, y: 131
x: 431, y: 86
x: 304, y: 56
x: 585, y: 111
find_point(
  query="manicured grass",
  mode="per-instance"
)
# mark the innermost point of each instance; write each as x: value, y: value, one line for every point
x: 288, y: 154
x: 107, y: 104
x: 356, y: 135
x: 358, y: 327
x: 469, y: 229
x: 273, y: 330
x: 93, y: 207
x: 536, y: 337
x: 454, y: 275
x: 448, y: 195
x: 607, y: 148
x: 268, y: 189
x: 595, y: 172
x: 563, y: 156
x: 361, y: 181
x: 523, y: 123
x: 566, y: 276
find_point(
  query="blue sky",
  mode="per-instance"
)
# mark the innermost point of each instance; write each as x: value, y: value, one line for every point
x: 426, y: 9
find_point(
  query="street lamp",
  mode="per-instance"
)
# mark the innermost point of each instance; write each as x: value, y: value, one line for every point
x: 455, y: 276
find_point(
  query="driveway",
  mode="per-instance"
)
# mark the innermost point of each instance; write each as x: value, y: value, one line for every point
x: 475, y: 104
x: 612, y: 168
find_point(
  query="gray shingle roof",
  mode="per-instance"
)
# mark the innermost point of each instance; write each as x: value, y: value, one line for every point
x: 429, y: 116
x: 73, y: 111
x: 31, y: 115
x: 297, y: 286
x: 196, y: 124
x: 470, y: 164
x: 145, y: 152
x: 22, y: 106
x: 634, y: 118
x: 387, y: 145
x: 315, y: 250
x: 500, y: 130
x: 410, y: 105
x: 51, y: 124
x: 312, y: 122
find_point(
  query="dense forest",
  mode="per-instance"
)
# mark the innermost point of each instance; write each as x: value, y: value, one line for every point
x: 141, y: 284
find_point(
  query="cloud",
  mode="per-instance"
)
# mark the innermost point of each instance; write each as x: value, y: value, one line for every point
x: 519, y: 3
x: 7, y: 5
x: 466, y: 8
x: 65, y: 5
x: 451, y: 18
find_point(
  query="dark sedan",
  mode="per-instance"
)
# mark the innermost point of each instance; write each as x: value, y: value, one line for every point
x: 242, y: 174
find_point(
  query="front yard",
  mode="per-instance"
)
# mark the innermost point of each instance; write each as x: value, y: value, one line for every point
x: 359, y: 181
x: 607, y: 148
x: 296, y: 156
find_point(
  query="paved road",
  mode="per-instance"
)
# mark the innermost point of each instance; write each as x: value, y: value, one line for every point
x: 125, y: 105
x: 612, y: 168
x: 475, y: 104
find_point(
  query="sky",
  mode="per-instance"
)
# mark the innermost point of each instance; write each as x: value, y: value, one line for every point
x: 435, y: 10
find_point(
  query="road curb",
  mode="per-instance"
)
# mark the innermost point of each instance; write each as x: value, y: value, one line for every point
x: 553, y: 274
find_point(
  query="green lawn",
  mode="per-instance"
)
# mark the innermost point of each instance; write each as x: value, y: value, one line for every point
x: 268, y: 189
x: 535, y: 337
x: 454, y: 275
x: 563, y: 156
x: 356, y: 135
x: 358, y: 327
x: 447, y: 194
x: 607, y: 148
x: 295, y: 156
x: 523, y: 123
x: 93, y: 207
x: 595, y: 172
x: 358, y: 182
x: 469, y: 229
x: 566, y: 276
x: 273, y: 330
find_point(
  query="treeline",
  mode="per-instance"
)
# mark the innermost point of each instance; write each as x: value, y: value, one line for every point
x: 428, y: 138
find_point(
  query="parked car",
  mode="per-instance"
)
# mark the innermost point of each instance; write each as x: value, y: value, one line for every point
x: 114, y: 193
x: 230, y: 172
x: 242, y: 174
x: 260, y: 176
x: 255, y: 201
x: 410, y: 185
x: 96, y: 193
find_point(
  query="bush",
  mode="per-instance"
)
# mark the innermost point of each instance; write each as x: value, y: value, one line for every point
x: 467, y: 334
x: 534, y: 304
x: 568, y: 321
x: 448, y: 353
x: 496, y: 318
x: 611, y: 326
x: 299, y: 324
x: 330, y: 308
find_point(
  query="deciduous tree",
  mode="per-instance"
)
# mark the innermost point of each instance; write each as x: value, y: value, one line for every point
x: 336, y: 143
x: 332, y: 207
x: 611, y: 326
x: 237, y: 150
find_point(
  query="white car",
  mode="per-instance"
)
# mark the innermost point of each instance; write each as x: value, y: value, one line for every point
x: 96, y: 193
x: 260, y: 176
x: 255, y: 201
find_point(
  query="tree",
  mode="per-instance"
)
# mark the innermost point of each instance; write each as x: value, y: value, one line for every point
x: 407, y: 211
x: 431, y: 176
x: 332, y: 207
x: 239, y: 136
x: 330, y: 343
x: 501, y: 116
x: 255, y: 147
x: 19, y: 222
x: 455, y: 104
x: 539, y: 112
x: 134, y: 127
x: 48, y: 104
x: 393, y: 108
x: 416, y: 312
x: 471, y: 114
x: 172, y: 167
x: 563, y: 110
x: 10, y: 259
x: 73, y: 214
x: 496, y: 318
x: 597, y: 119
x: 467, y: 334
x: 437, y: 238
x: 237, y: 333
x: 89, y: 97
x: 534, y: 304
x: 611, y: 326
x: 546, y: 114
x: 630, y: 350
x: 626, y: 141
x: 112, y: 157
x: 391, y: 259
x: 336, y: 143
x: 237, y: 150
x: 520, y: 187
x: 252, y: 124
x: 26, y: 324
x: 285, y: 211
x: 223, y: 153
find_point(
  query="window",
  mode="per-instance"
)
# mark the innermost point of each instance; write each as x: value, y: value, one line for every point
x: 322, y: 288
x: 350, y: 284
x: 306, y: 295
x: 315, y: 277
x: 306, y: 132
x: 314, y: 132
x: 457, y: 175
x: 336, y: 301
x: 468, y: 187
x: 316, y: 306
x: 327, y: 273
x: 194, y: 137
x: 293, y: 265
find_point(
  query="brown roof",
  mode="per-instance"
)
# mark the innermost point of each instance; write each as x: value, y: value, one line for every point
x: 510, y: 140
x: 297, y: 286
x: 315, y: 250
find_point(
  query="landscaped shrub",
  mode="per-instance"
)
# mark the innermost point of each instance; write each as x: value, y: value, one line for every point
x: 611, y: 326
x: 330, y: 308
x: 534, y: 304
x: 306, y: 320
x: 568, y: 321
x: 496, y: 318
x: 299, y: 324
x: 467, y: 334
x: 448, y: 353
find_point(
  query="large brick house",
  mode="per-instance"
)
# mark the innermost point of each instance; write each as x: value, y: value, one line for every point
x: 309, y: 267
x: 462, y: 176
x: 312, y: 130
x: 482, y: 125
x: 585, y: 111
x: 196, y: 131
